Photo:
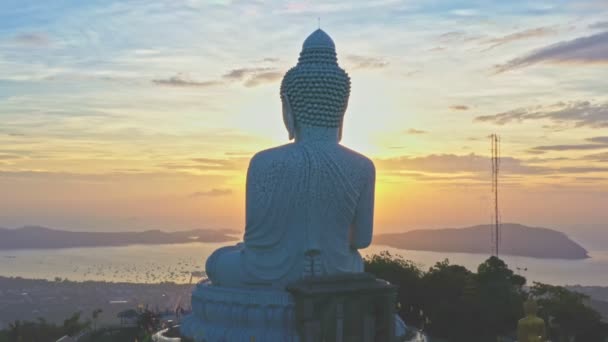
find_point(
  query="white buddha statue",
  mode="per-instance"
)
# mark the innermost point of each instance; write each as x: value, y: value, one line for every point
x: 310, y: 206
x: 309, y: 203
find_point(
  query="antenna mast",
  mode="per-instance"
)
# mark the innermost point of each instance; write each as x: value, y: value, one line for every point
x: 495, y: 140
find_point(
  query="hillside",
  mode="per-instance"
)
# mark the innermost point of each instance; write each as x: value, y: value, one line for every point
x: 41, y: 237
x: 516, y: 239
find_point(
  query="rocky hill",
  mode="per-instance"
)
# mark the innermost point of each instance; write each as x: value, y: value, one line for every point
x: 41, y: 237
x: 516, y: 239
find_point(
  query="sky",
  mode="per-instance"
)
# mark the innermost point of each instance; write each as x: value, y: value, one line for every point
x: 131, y: 115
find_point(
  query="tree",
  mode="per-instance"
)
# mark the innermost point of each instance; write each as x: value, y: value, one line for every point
x: 501, y: 298
x: 42, y: 331
x: 568, y: 315
x: 406, y: 275
x: 148, y: 323
x: 95, y: 315
x: 448, y: 307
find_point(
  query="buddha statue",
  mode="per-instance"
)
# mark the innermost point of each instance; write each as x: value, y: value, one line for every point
x: 531, y: 328
x: 309, y: 209
x: 309, y: 203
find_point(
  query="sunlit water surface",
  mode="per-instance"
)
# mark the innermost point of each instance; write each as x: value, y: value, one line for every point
x: 176, y: 263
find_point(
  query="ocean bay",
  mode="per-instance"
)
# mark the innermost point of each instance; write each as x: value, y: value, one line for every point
x: 177, y: 262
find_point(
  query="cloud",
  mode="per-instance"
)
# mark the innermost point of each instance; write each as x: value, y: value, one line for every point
x: 584, y: 50
x: 450, y: 163
x: 599, y: 157
x: 451, y: 36
x: 271, y: 59
x: 327, y: 7
x: 242, y: 73
x: 577, y: 113
x: 598, y: 143
x: 474, y: 167
x: 180, y: 80
x: 211, y: 193
x: 459, y: 107
x: 366, y: 62
x: 599, y: 140
x: 574, y: 147
x: 414, y: 131
x: 250, y: 77
x: 599, y: 25
x: 33, y: 39
x: 209, y: 164
x: 253, y: 76
x: 264, y: 77
x: 465, y: 12
x: 521, y: 35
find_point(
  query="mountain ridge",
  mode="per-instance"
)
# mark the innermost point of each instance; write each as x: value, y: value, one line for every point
x: 38, y: 237
x: 516, y: 239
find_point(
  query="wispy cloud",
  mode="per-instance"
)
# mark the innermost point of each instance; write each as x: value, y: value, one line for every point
x: 33, y: 39
x: 521, y: 35
x: 573, y: 147
x: 263, y: 77
x: 599, y: 157
x: 252, y: 77
x: 183, y: 81
x: 577, y: 113
x: 414, y: 131
x: 465, y: 12
x: 474, y: 166
x: 208, y: 164
x: 599, y: 140
x: 366, y: 62
x: 8, y: 156
x: 211, y: 193
x: 583, y: 50
x: 449, y: 163
x: 240, y: 74
x: 599, y: 25
x: 597, y: 143
x: 459, y: 107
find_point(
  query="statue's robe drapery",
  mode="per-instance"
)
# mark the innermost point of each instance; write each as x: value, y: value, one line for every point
x: 305, y: 205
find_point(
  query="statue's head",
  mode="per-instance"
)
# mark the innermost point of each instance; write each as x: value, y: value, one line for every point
x: 530, y: 307
x: 315, y: 92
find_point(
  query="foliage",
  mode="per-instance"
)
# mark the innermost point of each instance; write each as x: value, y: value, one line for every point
x: 113, y: 334
x: 568, y: 316
x: 95, y: 315
x: 448, y: 301
x: 500, y: 298
x: 404, y: 273
x: 42, y: 331
x: 148, y: 323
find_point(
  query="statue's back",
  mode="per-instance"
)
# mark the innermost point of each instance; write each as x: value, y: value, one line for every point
x: 306, y: 196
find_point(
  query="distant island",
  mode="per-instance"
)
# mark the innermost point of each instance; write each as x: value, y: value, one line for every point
x: 34, y: 237
x: 516, y: 239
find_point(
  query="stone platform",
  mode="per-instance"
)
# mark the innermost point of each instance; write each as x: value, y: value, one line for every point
x: 344, y: 308
x: 236, y: 314
x: 355, y: 307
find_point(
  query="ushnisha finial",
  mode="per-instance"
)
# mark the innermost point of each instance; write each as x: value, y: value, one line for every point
x: 317, y: 89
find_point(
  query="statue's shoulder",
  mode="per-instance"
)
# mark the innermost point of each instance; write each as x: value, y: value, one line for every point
x: 359, y: 159
x: 272, y: 156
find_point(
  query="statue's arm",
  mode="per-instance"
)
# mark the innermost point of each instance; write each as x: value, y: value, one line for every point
x: 257, y: 193
x: 363, y: 224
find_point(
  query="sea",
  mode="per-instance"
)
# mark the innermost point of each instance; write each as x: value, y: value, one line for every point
x: 185, y: 263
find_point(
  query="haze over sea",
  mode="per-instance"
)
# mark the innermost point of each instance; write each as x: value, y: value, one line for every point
x: 158, y: 263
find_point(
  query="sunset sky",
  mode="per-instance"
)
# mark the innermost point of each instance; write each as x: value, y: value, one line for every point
x: 130, y: 115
